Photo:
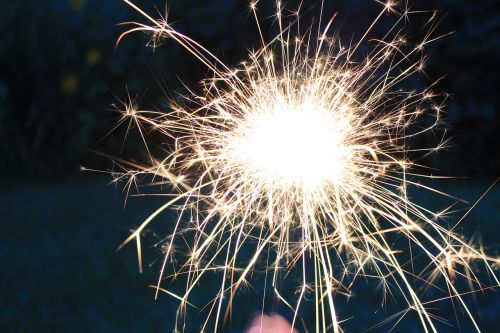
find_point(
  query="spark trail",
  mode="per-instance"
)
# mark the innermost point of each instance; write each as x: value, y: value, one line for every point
x: 301, y: 154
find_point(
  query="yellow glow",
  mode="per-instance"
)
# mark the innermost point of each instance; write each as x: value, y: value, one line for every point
x: 295, y: 146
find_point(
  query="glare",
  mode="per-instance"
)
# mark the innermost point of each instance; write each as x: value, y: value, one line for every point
x: 292, y: 146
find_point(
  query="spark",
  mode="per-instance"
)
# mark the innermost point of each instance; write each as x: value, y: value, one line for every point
x: 301, y: 153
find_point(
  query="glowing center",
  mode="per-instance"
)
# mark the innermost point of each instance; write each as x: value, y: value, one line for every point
x: 296, y: 146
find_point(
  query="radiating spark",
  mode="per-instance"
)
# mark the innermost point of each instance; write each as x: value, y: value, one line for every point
x: 301, y: 153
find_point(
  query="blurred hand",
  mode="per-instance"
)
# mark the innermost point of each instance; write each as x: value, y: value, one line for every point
x: 270, y: 324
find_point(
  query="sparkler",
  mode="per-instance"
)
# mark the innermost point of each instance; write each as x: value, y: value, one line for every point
x: 301, y: 153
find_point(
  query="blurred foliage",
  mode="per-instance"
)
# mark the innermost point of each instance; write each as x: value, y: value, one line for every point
x: 470, y: 59
x: 55, y: 64
x: 60, y: 73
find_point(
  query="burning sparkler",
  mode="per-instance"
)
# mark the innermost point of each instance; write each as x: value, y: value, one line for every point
x: 301, y: 153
